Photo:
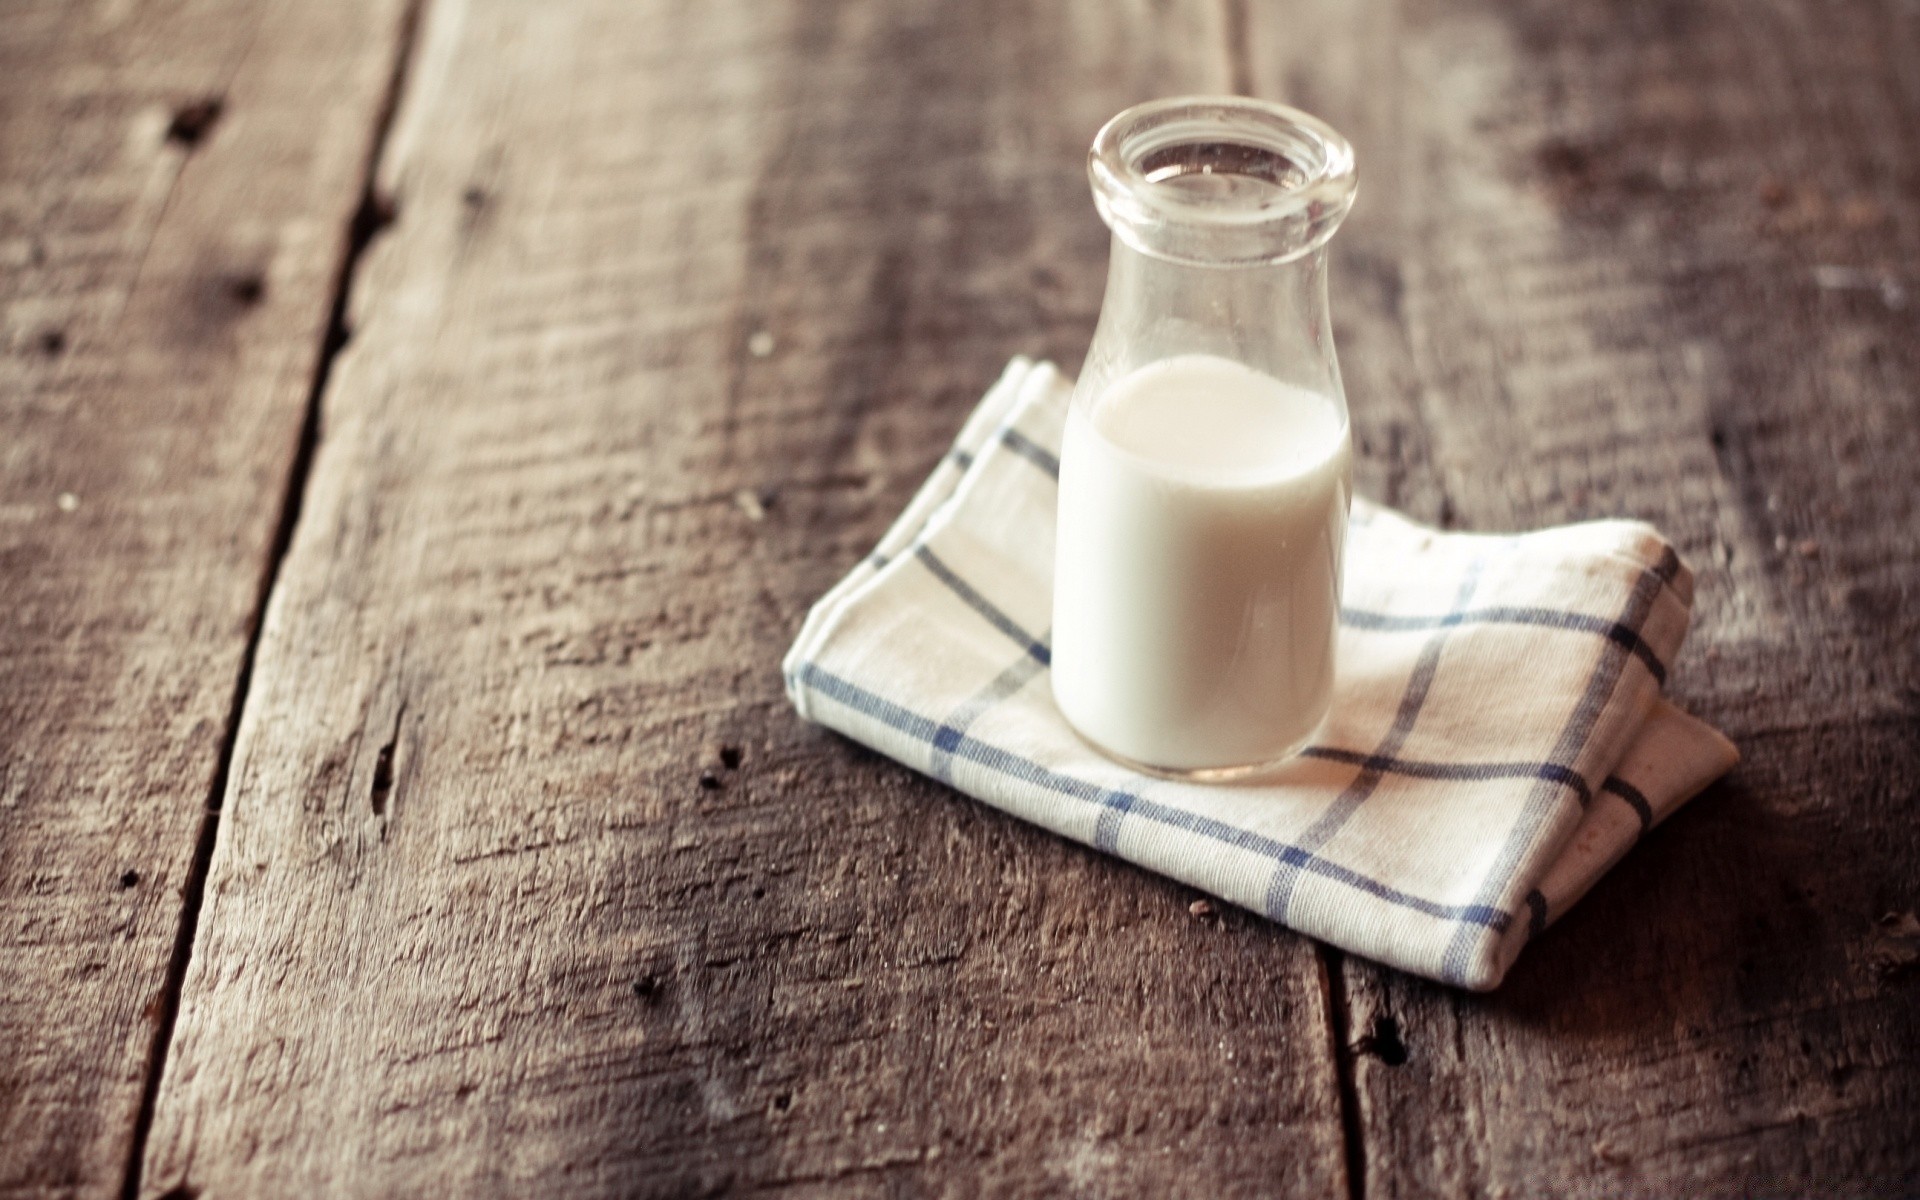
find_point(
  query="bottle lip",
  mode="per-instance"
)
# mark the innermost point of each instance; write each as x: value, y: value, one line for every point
x: 1300, y: 172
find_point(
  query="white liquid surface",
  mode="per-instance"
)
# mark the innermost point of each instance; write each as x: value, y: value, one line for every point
x: 1203, y: 509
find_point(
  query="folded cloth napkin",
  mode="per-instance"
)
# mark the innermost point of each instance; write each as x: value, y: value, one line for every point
x: 1498, y: 737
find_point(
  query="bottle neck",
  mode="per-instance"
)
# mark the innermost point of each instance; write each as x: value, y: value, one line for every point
x: 1271, y: 316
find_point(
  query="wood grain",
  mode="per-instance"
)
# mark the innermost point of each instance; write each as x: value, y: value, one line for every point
x: 175, y: 184
x: 1652, y: 261
x: 528, y: 877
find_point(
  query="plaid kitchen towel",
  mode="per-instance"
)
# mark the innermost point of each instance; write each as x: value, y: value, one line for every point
x: 1498, y: 737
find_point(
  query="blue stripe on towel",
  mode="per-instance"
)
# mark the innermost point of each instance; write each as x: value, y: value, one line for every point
x: 1635, y: 799
x: 1426, y: 769
x: 1615, y: 631
x: 1031, y: 450
x: 985, y: 607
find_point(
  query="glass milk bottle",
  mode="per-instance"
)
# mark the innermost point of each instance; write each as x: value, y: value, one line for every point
x: 1206, y: 467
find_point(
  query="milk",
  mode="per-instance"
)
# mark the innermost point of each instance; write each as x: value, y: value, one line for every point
x: 1203, y: 508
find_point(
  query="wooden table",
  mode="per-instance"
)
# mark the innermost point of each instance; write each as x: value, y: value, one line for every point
x: 423, y: 428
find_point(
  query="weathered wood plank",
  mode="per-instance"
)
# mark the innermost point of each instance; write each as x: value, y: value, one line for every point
x: 528, y: 878
x: 1651, y: 262
x: 175, y: 187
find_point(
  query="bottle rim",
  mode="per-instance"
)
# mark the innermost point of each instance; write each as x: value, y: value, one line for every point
x: 1299, y: 174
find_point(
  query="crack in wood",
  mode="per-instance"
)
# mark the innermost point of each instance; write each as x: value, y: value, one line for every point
x: 166, y: 1009
x: 1353, y: 1134
x: 382, y: 787
x: 194, y: 120
x: 1382, y: 1041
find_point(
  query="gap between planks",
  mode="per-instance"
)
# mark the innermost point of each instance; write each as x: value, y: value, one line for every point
x: 371, y: 215
x: 1340, y: 1044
